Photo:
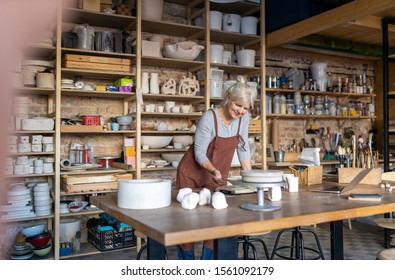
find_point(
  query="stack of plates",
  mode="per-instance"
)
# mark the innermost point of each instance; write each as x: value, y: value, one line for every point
x: 67, y: 84
x: 21, y: 252
x: 262, y: 176
x: 18, y: 203
x: 42, y: 199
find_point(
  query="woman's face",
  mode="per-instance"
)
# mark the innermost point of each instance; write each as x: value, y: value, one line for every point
x: 237, y: 109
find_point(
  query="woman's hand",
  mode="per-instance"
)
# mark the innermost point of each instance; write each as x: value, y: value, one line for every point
x: 218, y: 177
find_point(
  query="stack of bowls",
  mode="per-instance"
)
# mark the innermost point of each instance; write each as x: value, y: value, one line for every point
x: 42, y: 199
x: 21, y: 250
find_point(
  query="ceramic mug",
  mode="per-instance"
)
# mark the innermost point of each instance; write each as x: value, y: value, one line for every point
x: 115, y: 126
x: 175, y: 109
x: 177, y: 145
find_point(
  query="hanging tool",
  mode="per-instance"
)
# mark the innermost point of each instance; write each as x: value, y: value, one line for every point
x: 370, y: 149
x: 354, y: 149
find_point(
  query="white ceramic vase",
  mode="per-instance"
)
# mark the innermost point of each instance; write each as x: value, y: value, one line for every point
x: 152, y: 9
x: 154, y: 83
x: 144, y: 82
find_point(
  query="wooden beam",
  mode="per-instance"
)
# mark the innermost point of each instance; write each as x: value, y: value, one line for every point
x: 373, y: 22
x: 332, y: 18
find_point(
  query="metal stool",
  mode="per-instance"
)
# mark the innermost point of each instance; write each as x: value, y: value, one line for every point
x: 297, y: 245
x: 247, y: 242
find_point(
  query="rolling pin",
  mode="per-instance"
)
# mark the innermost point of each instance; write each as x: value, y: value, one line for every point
x: 275, y: 134
x: 354, y: 149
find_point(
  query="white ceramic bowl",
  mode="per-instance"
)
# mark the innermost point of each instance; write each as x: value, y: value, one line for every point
x: 75, y: 206
x: 185, y: 140
x: 33, y: 230
x: 156, y: 142
x: 172, y: 157
x: 183, y: 50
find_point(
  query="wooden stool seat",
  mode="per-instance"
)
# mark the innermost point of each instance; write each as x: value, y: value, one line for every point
x: 386, y: 254
x: 140, y: 237
x: 385, y: 222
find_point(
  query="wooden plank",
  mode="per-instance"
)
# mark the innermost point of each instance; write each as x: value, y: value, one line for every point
x: 85, y: 179
x: 97, y: 66
x: 105, y: 186
x: 97, y: 59
x: 81, y: 128
x: 332, y: 18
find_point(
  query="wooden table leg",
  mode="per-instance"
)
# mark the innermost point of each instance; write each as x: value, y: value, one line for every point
x: 226, y: 248
x: 337, y: 251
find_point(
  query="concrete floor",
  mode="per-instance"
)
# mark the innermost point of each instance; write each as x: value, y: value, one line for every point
x: 362, y: 242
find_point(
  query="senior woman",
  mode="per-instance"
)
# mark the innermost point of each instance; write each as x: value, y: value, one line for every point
x: 219, y: 133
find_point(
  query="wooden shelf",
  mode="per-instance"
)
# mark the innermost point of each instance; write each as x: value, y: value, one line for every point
x: 172, y: 115
x: 90, y: 74
x: 99, y: 53
x: 30, y: 175
x: 95, y: 93
x: 329, y: 93
x: 33, y: 91
x: 286, y: 116
x: 167, y: 132
x: 173, y: 29
x: 236, y: 69
x: 72, y: 15
x: 87, y: 249
x: 234, y: 38
x: 177, y: 97
x: 93, y: 171
x: 164, y: 62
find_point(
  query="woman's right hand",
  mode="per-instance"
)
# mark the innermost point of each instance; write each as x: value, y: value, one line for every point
x: 218, y: 178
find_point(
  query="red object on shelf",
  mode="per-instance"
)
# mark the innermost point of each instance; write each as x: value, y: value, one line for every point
x: 91, y: 119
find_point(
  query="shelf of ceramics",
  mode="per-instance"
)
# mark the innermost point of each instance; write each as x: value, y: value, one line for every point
x: 172, y: 115
x: 98, y: 53
x: 72, y: 15
x: 239, y: 7
x: 30, y: 175
x: 165, y: 132
x: 102, y: 132
x: 31, y: 154
x: 315, y: 92
x: 95, y: 93
x: 280, y: 116
x: 91, y: 74
x: 173, y: 29
x: 83, y: 212
x: 65, y: 194
x: 27, y: 219
x: 164, y: 150
x: 236, y: 69
x: 32, y: 132
x: 93, y: 171
x: 190, y: 65
x: 176, y: 97
x: 234, y: 38
x: 34, y: 91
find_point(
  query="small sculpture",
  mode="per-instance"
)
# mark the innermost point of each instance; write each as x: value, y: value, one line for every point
x: 182, y: 193
x: 219, y: 201
x: 190, y: 201
x: 188, y: 86
x: 169, y: 87
x: 204, y: 196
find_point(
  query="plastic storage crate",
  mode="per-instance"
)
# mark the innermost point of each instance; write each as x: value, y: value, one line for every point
x: 106, y: 238
x: 91, y: 119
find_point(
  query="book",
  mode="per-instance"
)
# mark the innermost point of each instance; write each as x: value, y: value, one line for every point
x: 365, y: 196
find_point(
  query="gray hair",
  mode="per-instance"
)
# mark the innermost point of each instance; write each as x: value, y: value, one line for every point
x: 240, y: 92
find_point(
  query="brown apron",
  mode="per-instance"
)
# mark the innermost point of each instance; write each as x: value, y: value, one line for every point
x: 191, y: 175
x: 220, y: 152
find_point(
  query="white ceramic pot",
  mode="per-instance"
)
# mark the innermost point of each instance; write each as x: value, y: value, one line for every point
x: 144, y: 194
x: 231, y: 23
x: 154, y: 83
x: 152, y: 9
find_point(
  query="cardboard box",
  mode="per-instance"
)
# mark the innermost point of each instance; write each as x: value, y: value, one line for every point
x: 91, y: 5
x: 347, y: 174
x: 125, y: 81
x: 150, y: 48
x: 130, y: 151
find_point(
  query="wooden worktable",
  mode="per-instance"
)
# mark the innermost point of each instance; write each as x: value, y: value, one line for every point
x: 174, y: 225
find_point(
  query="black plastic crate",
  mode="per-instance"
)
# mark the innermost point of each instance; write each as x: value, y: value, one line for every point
x: 107, y: 238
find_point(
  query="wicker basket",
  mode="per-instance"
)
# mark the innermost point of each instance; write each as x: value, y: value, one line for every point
x: 309, y: 176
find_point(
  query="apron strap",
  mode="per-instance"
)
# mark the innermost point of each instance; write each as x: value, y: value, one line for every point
x: 216, y: 127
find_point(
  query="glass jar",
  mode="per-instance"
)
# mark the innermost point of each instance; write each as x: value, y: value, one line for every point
x: 283, y: 105
x: 276, y: 104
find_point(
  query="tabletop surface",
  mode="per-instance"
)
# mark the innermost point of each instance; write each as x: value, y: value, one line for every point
x: 174, y: 225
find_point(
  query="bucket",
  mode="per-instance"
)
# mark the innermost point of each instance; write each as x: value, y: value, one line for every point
x: 318, y: 71
x: 216, y: 52
x: 215, y: 20
x: 249, y: 25
x: 279, y: 156
x: 246, y: 58
x: 231, y: 22
x: 68, y: 229
x: 152, y: 9
x: 216, y: 88
x: 45, y: 80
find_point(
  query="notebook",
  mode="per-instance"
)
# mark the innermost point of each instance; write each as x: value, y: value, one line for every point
x: 342, y: 189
